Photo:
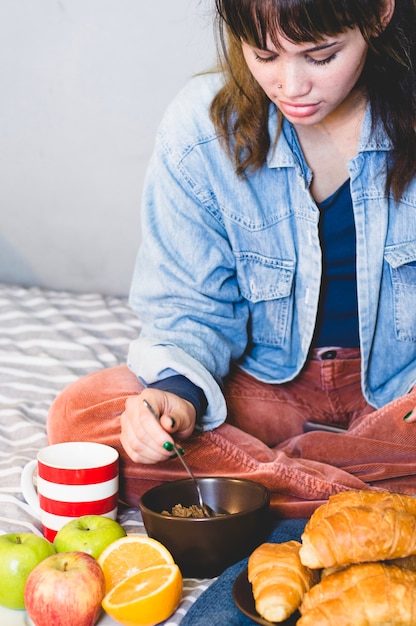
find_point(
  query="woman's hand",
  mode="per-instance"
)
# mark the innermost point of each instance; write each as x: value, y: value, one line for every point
x: 142, y: 436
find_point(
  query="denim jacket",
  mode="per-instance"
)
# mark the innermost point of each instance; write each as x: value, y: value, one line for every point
x: 229, y: 269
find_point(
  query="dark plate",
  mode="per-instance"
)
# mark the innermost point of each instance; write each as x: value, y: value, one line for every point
x: 243, y: 598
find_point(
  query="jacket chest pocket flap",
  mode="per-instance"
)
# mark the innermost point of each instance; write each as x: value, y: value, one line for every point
x: 401, y: 259
x: 266, y: 284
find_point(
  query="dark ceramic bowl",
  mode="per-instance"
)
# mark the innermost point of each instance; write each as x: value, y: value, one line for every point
x: 204, y: 547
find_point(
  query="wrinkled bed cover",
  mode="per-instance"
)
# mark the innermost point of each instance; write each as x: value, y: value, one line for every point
x: 47, y: 340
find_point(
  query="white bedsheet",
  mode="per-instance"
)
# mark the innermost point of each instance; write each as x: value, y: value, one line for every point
x: 47, y: 340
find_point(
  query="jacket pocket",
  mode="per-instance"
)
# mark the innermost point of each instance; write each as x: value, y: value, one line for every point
x: 266, y: 284
x: 402, y: 263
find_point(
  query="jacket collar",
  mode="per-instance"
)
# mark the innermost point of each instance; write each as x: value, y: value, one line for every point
x: 283, y: 154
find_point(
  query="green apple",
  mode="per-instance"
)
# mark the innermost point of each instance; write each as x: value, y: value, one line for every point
x: 19, y: 554
x: 89, y: 533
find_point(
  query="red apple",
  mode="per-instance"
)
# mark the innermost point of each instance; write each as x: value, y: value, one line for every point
x: 65, y: 589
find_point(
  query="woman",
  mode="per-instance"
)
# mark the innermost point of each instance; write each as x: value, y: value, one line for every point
x: 276, y: 281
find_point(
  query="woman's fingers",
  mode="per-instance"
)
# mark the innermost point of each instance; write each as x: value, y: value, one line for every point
x: 144, y: 435
x: 410, y: 416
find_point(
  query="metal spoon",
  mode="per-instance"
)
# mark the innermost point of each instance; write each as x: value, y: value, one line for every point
x: 205, y: 508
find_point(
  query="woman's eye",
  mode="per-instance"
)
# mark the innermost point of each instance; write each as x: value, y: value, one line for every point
x: 261, y: 59
x: 322, y: 61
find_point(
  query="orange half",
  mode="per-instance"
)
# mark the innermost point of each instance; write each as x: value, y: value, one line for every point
x: 128, y: 555
x: 146, y: 598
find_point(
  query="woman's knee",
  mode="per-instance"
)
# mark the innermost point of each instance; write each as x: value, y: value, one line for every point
x: 91, y: 404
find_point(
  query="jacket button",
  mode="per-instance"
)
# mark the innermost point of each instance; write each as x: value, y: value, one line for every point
x: 329, y: 354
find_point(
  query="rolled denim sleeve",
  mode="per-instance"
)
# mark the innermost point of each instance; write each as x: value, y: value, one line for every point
x: 184, y: 289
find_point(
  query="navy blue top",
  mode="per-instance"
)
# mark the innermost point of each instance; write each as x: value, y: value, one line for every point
x: 337, y: 321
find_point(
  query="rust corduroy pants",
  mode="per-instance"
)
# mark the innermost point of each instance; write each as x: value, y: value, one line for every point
x: 263, y: 437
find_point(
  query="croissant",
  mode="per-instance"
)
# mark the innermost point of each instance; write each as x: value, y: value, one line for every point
x: 374, y: 499
x: 278, y: 579
x: 407, y: 562
x: 357, y: 534
x: 370, y: 594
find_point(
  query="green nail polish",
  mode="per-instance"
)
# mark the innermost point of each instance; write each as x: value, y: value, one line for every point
x: 406, y: 417
x: 168, y: 446
x: 182, y: 451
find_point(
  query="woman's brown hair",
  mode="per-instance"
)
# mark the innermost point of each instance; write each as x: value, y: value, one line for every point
x: 240, y: 110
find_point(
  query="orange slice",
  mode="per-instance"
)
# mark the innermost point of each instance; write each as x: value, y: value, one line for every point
x: 128, y: 555
x: 146, y: 598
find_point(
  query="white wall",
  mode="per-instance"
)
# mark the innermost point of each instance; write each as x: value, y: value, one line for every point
x: 83, y: 85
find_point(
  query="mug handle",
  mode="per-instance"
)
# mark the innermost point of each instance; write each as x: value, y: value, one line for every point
x: 28, y: 488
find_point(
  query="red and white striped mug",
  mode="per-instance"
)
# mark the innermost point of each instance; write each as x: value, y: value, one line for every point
x: 73, y: 479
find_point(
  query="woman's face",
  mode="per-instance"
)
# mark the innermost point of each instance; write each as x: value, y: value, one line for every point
x: 310, y: 81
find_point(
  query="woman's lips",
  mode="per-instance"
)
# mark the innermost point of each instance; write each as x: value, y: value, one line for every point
x: 298, y: 110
